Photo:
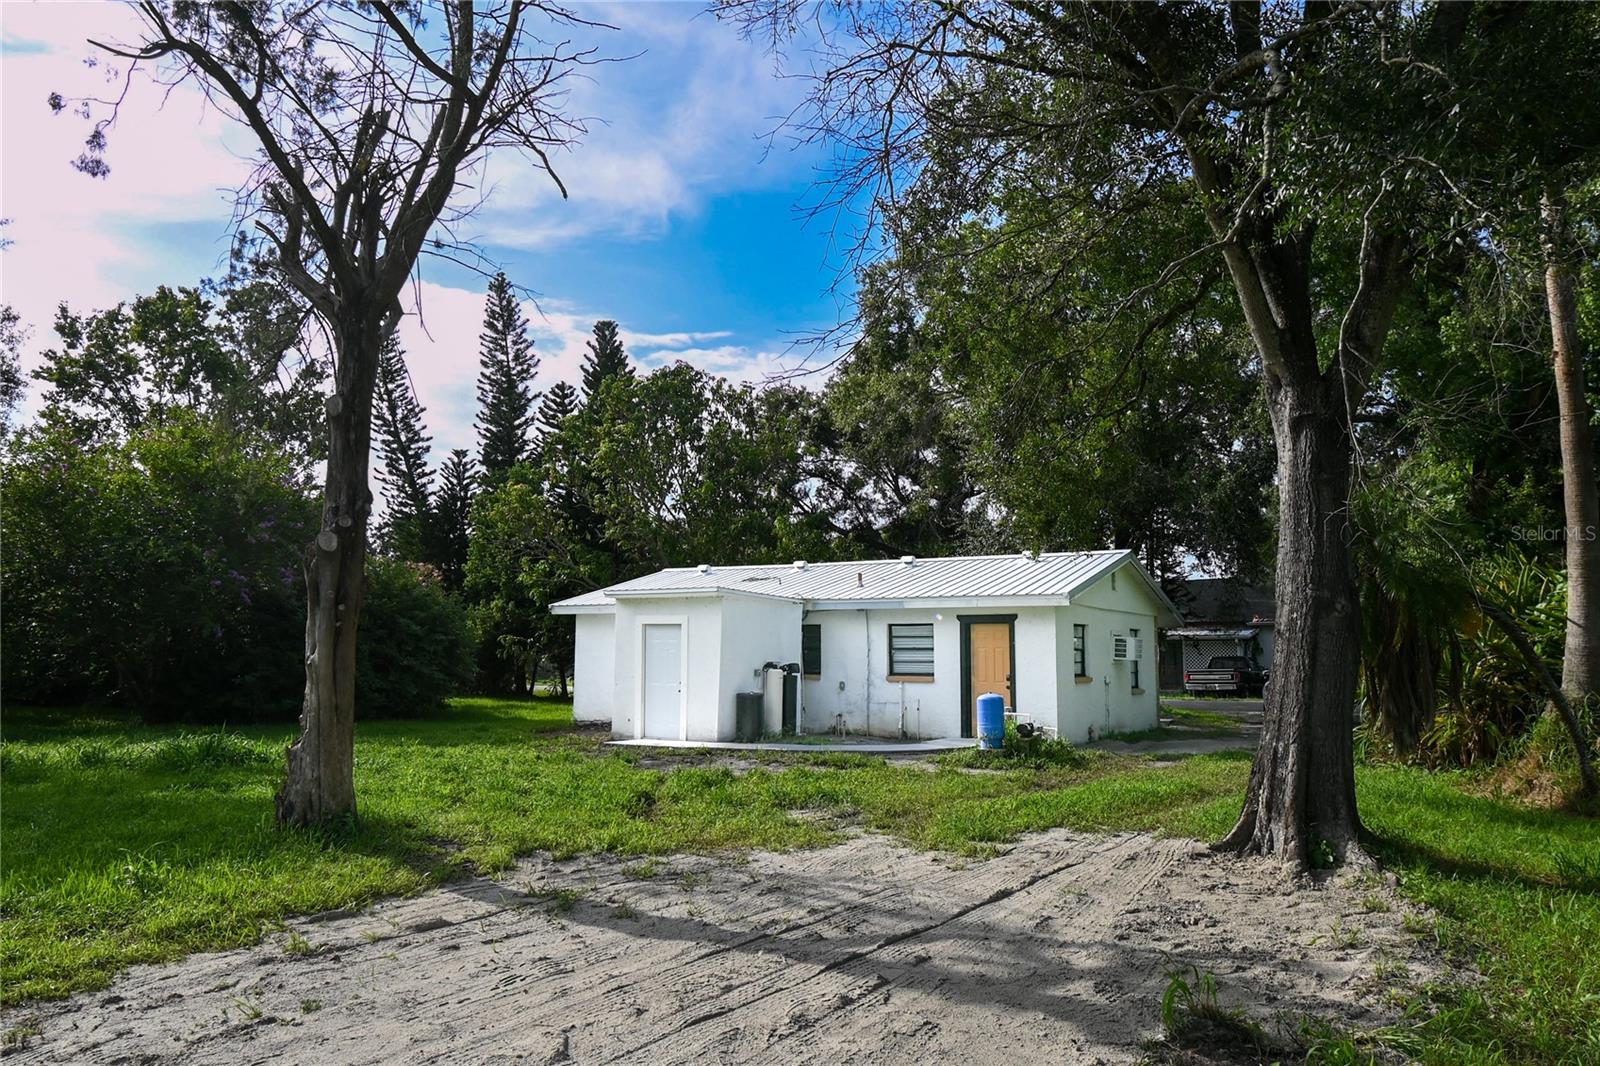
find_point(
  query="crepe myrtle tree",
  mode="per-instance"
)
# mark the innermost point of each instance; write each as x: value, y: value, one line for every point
x: 370, y: 122
x: 1284, y: 129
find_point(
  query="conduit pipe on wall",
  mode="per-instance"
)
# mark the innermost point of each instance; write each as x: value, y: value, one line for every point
x: 866, y: 636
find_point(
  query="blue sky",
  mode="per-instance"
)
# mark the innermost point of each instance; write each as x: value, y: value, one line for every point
x: 682, y: 223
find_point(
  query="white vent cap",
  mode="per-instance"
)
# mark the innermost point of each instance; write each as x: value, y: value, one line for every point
x: 908, y: 559
x: 704, y: 568
x: 799, y: 564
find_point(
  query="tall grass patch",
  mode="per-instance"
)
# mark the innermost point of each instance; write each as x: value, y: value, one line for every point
x: 1517, y: 893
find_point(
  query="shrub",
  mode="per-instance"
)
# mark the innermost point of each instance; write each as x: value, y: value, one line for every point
x: 1018, y: 752
x: 160, y: 572
x: 1496, y: 698
x: 416, y: 645
x: 163, y: 573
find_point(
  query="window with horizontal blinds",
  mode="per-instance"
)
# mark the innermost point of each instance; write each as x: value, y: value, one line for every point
x: 911, y: 650
x: 811, y: 650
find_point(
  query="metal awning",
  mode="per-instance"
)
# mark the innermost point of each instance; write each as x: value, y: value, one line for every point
x: 1211, y: 633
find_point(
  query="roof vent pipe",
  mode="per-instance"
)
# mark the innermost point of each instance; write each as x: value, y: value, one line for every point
x: 908, y: 559
x: 799, y: 564
x: 704, y: 568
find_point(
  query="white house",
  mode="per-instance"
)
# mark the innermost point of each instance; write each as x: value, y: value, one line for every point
x: 898, y: 648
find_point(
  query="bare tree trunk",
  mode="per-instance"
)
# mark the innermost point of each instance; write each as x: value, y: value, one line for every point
x: 1580, y: 666
x: 1302, y: 784
x: 321, y: 781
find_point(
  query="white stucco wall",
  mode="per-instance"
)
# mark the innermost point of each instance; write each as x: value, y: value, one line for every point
x: 1105, y: 701
x: 702, y: 636
x: 839, y: 688
x: 594, y: 652
x: 755, y: 631
x: 727, y: 639
x: 855, y: 671
x: 1037, y: 677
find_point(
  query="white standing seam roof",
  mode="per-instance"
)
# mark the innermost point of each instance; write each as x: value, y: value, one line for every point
x: 1056, y: 576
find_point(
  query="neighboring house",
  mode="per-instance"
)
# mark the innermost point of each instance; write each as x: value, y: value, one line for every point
x: 898, y: 648
x: 1221, y: 616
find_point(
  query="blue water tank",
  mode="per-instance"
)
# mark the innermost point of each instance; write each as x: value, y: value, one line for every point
x: 991, y: 720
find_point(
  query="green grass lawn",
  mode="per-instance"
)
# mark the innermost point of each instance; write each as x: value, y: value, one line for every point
x: 1196, y: 718
x: 1518, y: 892
x: 1188, y: 723
x: 126, y: 844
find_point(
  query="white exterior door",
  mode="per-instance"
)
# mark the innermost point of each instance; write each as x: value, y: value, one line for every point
x: 663, y: 682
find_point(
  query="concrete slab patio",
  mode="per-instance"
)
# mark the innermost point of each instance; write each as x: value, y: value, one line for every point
x: 1055, y: 951
x: 864, y: 746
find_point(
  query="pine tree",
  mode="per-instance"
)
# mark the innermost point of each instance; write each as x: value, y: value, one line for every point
x: 406, y: 480
x: 560, y: 404
x: 505, y: 382
x: 605, y: 360
x: 452, y: 517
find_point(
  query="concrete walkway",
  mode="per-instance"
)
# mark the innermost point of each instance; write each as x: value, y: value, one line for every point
x: 860, y: 747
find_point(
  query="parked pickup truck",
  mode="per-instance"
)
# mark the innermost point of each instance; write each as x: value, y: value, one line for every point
x: 1227, y: 673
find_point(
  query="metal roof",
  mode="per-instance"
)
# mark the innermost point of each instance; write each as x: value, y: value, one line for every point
x: 1055, y: 575
x: 1225, y: 601
x: 588, y: 603
x: 1211, y: 633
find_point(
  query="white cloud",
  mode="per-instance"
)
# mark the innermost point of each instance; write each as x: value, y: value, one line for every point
x: 677, y: 126
x: 737, y: 362
x: 687, y: 118
x: 670, y: 340
x: 170, y: 163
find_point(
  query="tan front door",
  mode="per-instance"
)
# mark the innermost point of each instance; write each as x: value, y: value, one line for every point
x: 991, y: 661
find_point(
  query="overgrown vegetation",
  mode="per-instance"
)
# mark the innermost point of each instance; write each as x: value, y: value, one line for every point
x: 162, y: 569
x: 1017, y: 751
x: 127, y: 843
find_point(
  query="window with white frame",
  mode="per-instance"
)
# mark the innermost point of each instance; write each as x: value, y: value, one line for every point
x: 911, y: 650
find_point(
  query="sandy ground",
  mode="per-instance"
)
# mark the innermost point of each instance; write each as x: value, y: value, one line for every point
x: 1057, y: 950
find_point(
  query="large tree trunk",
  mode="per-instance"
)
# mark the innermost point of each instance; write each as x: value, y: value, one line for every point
x: 321, y: 781
x: 1302, y: 785
x: 1580, y: 667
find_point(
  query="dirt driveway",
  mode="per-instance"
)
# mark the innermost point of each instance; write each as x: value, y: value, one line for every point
x: 1055, y: 951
